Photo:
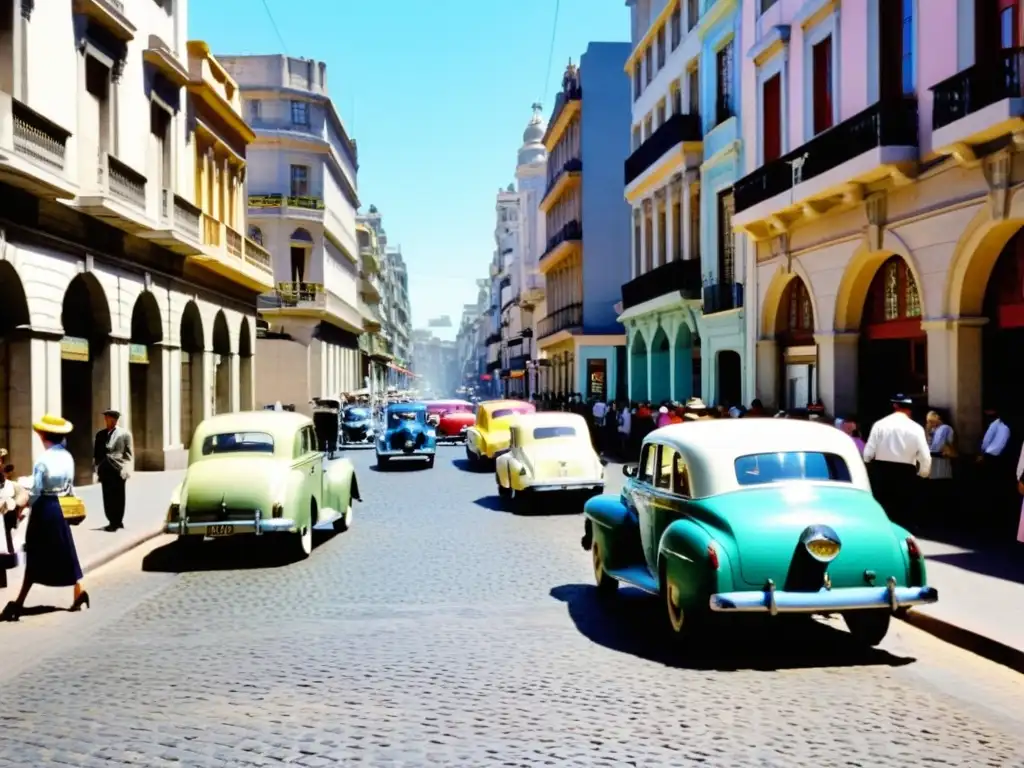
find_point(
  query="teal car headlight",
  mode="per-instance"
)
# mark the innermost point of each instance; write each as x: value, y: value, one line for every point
x: 821, y: 542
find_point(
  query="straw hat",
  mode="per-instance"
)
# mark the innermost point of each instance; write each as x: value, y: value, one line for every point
x: 696, y: 403
x: 55, y: 425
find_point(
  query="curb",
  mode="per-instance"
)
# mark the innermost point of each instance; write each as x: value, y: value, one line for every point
x: 124, y: 547
x: 986, y: 647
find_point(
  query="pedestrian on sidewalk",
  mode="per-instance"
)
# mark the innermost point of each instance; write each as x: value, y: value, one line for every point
x: 112, y: 457
x: 50, y: 555
x: 897, y: 450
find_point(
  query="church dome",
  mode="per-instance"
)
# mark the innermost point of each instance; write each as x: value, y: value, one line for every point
x: 533, y: 149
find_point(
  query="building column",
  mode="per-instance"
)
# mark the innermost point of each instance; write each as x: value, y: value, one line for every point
x: 171, y: 395
x: 954, y: 374
x: 209, y: 387
x: 235, y: 389
x: 645, y: 207
x: 686, y: 214
x: 656, y: 257
x: 670, y: 232
x: 837, y: 371
x: 33, y: 388
x: 767, y: 371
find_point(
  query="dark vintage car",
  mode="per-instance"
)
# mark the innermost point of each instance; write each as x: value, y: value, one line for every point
x: 406, y: 435
x: 451, y: 419
x: 357, y: 425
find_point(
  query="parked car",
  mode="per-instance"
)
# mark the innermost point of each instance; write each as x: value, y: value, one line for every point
x: 490, y: 436
x: 357, y: 425
x: 406, y: 435
x: 453, y: 418
x: 755, y: 516
x: 549, y: 454
x: 261, y: 473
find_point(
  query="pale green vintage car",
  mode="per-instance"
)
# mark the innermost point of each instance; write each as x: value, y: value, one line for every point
x: 261, y: 473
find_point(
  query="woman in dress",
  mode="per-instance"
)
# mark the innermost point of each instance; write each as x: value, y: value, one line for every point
x: 50, y: 555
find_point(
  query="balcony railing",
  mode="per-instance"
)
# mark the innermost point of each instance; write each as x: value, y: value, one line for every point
x: 37, y: 138
x: 570, y: 316
x: 494, y: 338
x: 233, y: 240
x: 885, y: 124
x: 674, y: 131
x: 572, y: 165
x: 122, y: 182
x: 295, y: 295
x: 186, y: 217
x: 211, y: 231
x: 520, y: 348
x: 256, y: 254
x: 680, y: 275
x: 505, y: 281
x: 573, y: 94
x: 987, y: 82
x: 373, y: 345
x: 278, y: 200
x: 721, y: 297
x: 571, y: 231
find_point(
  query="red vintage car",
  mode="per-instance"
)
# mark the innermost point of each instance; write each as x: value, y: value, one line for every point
x: 453, y: 418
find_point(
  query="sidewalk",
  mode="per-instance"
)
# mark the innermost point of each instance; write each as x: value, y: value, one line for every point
x: 148, y: 494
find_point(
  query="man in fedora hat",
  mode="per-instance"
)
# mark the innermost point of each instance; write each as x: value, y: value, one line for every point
x: 112, y: 457
x: 897, y: 452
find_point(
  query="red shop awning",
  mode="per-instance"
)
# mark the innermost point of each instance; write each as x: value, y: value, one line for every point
x: 400, y: 369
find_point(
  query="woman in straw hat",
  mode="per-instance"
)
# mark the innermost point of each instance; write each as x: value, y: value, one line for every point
x: 50, y: 555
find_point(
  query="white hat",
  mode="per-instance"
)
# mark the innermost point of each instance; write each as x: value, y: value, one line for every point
x: 663, y: 409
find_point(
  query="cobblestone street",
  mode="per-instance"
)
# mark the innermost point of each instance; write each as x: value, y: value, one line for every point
x: 441, y: 630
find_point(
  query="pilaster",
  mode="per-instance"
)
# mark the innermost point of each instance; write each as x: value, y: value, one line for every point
x: 954, y: 373
x: 767, y: 372
x: 837, y: 371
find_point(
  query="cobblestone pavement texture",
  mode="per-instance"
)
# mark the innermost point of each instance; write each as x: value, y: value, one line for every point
x: 442, y: 631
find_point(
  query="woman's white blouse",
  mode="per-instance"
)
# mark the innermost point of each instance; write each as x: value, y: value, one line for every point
x: 53, y: 474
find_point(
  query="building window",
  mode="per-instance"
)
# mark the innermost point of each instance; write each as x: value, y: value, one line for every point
x: 661, y: 47
x: 300, y: 113
x: 661, y: 113
x: 801, y: 319
x: 676, y: 26
x: 637, y: 139
x: 255, y: 109
x: 694, y: 193
x: 724, y: 93
x: 908, y: 47
x: 299, y: 181
x: 693, y: 88
x: 821, y: 61
x: 649, y: 64
x: 1008, y: 28
x: 692, y: 13
x: 897, y: 49
x: 726, y: 239
x: 771, y: 115
x: 648, y: 127
x: 766, y: 4
x: 638, y: 86
x: 677, y: 98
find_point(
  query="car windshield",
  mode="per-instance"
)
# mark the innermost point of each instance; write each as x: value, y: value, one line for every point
x: 761, y: 468
x: 238, y: 442
x: 397, y: 418
x: 357, y: 414
x: 502, y: 412
x: 545, y: 433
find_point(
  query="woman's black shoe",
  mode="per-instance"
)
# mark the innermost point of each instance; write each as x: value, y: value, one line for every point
x: 11, y: 613
x: 82, y: 599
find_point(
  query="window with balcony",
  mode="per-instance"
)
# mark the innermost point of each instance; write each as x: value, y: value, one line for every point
x: 821, y: 89
x: 692, y: 13
x: 95, y: 137
x: 300, y: 113
x: 160, y: 154
x: 771, y: 116
x: 897, y: 49
x: 726, y: 239
x: 637, y: 81
x: 676, y: 27
x: 693, y: 89
x: 676, y: 90
x: 661, y: 47
x: 637, y: 138
x: 255, y: 110
x: 724, y: 84
x: 694, y: 193
x: 648, y: 127
x: 299, y: 181
x: 649, y: 64
x: 676, y: 218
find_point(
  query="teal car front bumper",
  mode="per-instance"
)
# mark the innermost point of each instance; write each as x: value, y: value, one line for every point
x: 773, y: 601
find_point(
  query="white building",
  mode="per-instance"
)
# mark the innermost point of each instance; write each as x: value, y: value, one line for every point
x: 531, y: 180
x: 125, y: 276
x: 302, y: 204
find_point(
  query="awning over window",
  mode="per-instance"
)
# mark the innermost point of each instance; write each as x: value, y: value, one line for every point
x: 400, y: 369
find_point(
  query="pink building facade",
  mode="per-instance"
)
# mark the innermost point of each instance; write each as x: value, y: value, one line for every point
x: 880, y: 202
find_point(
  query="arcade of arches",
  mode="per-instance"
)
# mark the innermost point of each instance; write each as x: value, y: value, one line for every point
x: 168, y: 362
x: 663, y: 359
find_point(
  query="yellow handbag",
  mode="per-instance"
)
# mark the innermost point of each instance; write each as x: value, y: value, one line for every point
x: 73, y: 508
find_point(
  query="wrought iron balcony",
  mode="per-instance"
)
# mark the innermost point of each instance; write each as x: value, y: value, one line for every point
x: 571, y: 231
x: 995, y: 78
x: 521, y: 347
x: 674, y: 131
x: 721, y: 297
x: 885, y: 124
x: 567, y: 317
x: 494, y: 338
x: 572, y: 165
x: 294, y: 295
x: 678, y: 276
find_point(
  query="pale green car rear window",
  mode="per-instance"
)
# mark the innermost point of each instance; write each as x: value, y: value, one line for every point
x: 238, y: 442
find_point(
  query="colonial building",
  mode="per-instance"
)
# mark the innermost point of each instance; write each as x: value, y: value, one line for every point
x: 508, y: 239
x: 126, y: 279
x: 587, y: 224
x: 302, y: 204
x: 683, y: 309
x: 376, y: 357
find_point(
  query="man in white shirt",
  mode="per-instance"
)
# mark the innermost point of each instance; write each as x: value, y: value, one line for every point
x: 897, y: 451
x: 600, y: 409
x: 996, y: 437
x: 625, y: 426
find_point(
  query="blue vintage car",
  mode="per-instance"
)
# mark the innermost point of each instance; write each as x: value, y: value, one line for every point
x: 406, y: 435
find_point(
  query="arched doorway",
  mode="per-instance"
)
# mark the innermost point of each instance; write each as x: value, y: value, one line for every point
x: 798, y: 355
x: 146, y: 383
x: 660, y: 383
x: 684, y: 365
x: 1003, y: 335
x: 85, y: 367
x: 638, y: 368
x: 15, y: 367
x: 222, y: 364
x: 193, y: 350
x: 730, y: 378
x: 893, y: 345
x: 301, y: 243
x: 245, y: 366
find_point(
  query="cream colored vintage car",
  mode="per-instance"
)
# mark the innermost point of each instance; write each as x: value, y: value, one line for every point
x: 549, y: 453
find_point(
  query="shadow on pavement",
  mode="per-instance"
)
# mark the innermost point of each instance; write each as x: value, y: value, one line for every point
x: 630, y: 622
x: 401, y: 465
x: 999, y: 564
x: 465, y: 466
x: 533, y: 507
x: 42, y: 610
x: 493, y: 503
x: 241, y: 553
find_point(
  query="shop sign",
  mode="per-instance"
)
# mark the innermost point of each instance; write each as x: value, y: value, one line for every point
x: 596, y: 373
x: 517, y: 374
x: 75, y: 349
x: 138, y: 354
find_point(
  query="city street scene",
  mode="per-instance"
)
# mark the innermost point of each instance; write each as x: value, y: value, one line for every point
x: 565, y: 382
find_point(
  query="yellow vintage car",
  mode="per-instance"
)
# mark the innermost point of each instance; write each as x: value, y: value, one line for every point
x: 549, y: 453
x: 486, y: 439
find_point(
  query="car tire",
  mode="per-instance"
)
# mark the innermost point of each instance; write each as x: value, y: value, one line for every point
x: 606, y: 585
x: 682, y: 626
x: 303, y: 542
x: 382, y: 462
x: 471, y: 459
x: 868, y: 627
x: 344, y: 522
x: 503, y: 492
x: 430, y: 463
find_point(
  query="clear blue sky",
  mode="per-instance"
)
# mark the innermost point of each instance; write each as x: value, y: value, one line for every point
x: 437, y: 95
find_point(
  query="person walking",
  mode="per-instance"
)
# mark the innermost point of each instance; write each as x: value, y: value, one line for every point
x: 897, y: 450
x: 112, y: 456
x: 50, y: 555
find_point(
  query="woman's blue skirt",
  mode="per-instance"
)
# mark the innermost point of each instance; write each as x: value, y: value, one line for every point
x: 50, y: 555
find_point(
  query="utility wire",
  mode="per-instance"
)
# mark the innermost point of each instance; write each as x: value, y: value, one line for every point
x: 551, y: 52
x: 277, y: 31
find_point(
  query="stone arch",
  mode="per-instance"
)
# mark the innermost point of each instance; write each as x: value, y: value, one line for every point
x: 771, y: 304
x: 147, y: 327
x: 223, y: 364
x: 193, y: 371
x: 638, y: 366
x: 246, y: 380
x: 191, y: 332
x: 85, y: 311
x: 660, y: 353
x: 256, y: 234
x: 975, y: 256
x: 145, y: 383
x: 857, y: 278
x: 683, y: 366
x: 221, y: 339
x: 245, y: 338
x: 14, y: 310
x: 15, y: 363
x: 301, y: 236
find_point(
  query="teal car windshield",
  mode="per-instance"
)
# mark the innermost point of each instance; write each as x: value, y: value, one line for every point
x: 238, y: 442
x: 543, y: 433
x: 762, y: 468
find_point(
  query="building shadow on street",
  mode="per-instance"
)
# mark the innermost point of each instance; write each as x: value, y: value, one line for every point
x: 229, y: 554
x: 631, y: 622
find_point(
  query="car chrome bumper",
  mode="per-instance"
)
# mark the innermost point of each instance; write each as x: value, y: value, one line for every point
x: 399, y: 453
x: 258, y: 526
x: 567, y: 484
x: 824, y: 601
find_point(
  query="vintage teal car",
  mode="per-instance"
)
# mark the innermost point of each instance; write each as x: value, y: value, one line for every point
x: 261, y: 473
x: 763, y: 516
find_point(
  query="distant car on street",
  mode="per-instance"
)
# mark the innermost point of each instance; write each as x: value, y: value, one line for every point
x: 490, y: 436
x: 453, y: 418
x: 261, y: 473
x: 763, y: 516
x: 406, y: 435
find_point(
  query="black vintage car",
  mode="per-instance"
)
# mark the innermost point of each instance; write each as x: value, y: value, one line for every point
x: 327, y: 422
x: 357, y: 425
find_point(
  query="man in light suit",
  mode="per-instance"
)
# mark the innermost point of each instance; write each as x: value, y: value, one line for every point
x: 112, y: 457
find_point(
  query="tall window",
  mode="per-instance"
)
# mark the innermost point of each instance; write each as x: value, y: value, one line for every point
x: 1009, y: 35
x: 676, y: 25
x: 726, y: 239
x: 300, y: 180
x: 300, y: 113
x: 637, y: 82
x: 649, y: 64
x: 694, y: 193
x: 771, y: 115
x: 255, y: 110
x: 821, y: 61
x: 692, y: 13
x: 661, y: 47
x: 693, y: 87
x: 897, y: 49
x: 724, y: 86
x: 661, y: 113
x: 677, y: 98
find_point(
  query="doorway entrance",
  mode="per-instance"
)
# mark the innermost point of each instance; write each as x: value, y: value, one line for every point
x: 1003, y: 335
x: 15, y: 365
x: 730, y: 378
x: 245, y: 381
x: 222, y: 362
x: 193, y: 376
x: 145, y: 382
